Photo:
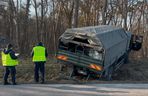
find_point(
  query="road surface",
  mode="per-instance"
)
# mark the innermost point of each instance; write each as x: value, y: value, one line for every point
x: 74, y: 90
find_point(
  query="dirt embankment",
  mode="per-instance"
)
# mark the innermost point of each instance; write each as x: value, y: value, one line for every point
x: 135, y: 71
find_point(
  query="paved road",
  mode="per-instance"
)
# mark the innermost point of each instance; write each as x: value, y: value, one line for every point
x: 74, y: 90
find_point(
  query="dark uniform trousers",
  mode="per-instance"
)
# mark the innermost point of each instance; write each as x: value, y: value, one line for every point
x: 8, y: 70
x: 39, y: 66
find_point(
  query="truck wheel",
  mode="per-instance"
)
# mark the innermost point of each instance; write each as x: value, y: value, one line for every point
x: 109, y: 73
x: 71, y: 70
x: 62, y: 68
x: 126, y: 58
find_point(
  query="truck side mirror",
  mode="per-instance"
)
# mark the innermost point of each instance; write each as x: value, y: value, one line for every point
x: 136, y: 42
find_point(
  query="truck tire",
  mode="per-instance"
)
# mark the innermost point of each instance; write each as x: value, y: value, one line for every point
x: 71, y: 70
x: 126, y: 58
x: 62, y: 68
x: 109, y: 73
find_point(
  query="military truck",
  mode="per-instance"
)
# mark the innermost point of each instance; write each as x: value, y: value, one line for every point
x: 96, y: 50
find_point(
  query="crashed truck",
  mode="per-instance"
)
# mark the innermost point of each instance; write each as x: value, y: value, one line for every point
x: 96, y: 51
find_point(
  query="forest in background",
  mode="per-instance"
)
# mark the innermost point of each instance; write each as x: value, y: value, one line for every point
x: 52, y: 17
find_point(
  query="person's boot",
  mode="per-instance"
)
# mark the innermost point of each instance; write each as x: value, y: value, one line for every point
x: 42, y: 82
x: 6, y: 83
x: 36, y: 81
x: 14, y: 83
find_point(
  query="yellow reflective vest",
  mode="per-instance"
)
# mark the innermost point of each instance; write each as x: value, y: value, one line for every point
x: 7, y: 60
x: 39, y: 54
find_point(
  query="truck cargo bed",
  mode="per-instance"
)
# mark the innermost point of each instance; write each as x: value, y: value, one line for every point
x: 78, y: 59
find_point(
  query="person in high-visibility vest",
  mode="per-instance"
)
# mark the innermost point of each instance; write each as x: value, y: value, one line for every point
x: 9, y: 61
x: 39, y: 54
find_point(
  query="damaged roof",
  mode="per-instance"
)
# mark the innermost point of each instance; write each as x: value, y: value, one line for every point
x: 107, y: 35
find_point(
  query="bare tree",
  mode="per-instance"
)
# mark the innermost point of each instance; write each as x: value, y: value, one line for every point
x: 104, y: 13
x: 36, y: 5
x: 68, y: 7
x: 76, y: 13
x: 52, y: 17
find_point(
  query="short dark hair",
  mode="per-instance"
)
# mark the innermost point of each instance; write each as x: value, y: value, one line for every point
x: 9, y: 46
x: 40, y: 44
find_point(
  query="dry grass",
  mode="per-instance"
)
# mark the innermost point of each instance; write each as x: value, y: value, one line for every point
x: 25, y: 71
x: 136, y: 70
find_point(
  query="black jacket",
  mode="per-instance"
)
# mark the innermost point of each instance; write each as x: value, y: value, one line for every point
x: 12, y: 53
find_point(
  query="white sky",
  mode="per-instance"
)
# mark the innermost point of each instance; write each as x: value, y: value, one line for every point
x: 32, y: 10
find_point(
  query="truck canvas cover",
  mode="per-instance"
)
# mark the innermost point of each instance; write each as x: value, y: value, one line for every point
x: 113, y: 41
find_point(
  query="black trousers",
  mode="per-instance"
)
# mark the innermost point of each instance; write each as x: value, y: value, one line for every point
x: 8, y: 70
x: 39, y: 66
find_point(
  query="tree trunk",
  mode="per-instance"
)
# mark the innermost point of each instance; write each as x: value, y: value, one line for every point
x: 76, y: 13
x: 104, y: 16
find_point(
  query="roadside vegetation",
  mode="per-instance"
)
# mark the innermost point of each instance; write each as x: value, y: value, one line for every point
x: 134, y: 71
